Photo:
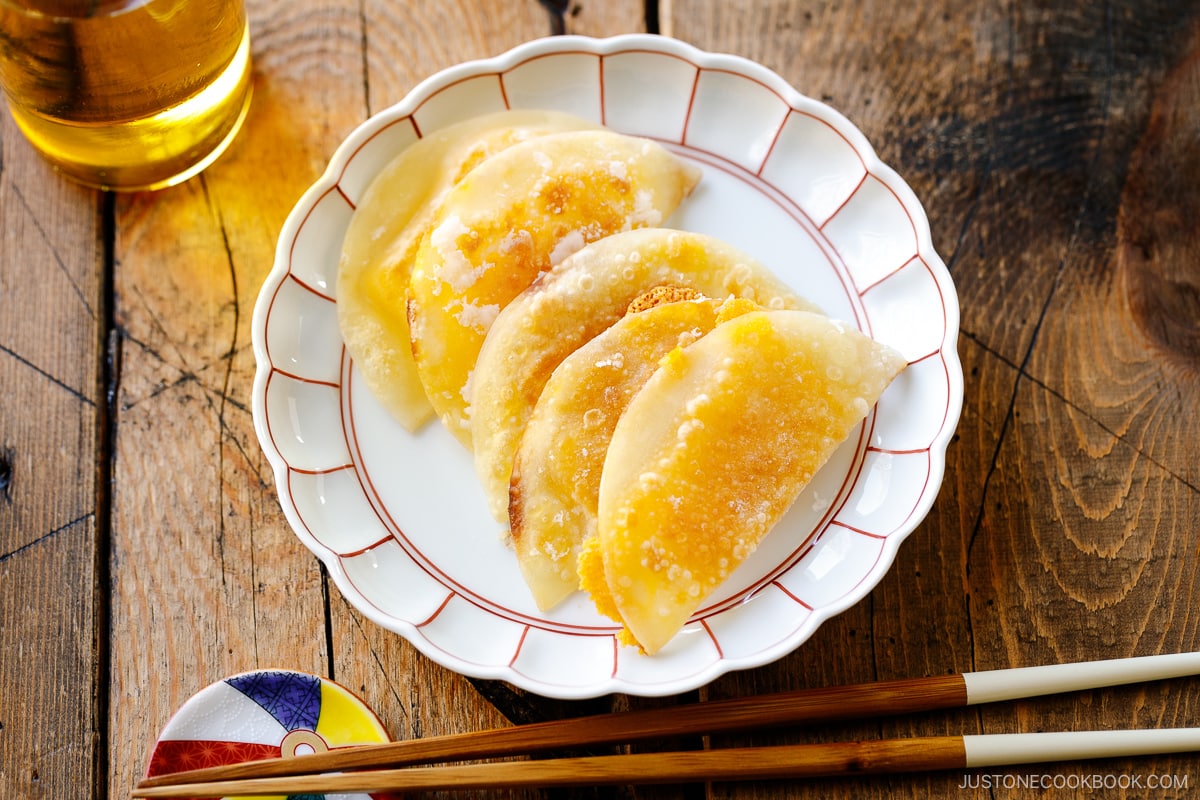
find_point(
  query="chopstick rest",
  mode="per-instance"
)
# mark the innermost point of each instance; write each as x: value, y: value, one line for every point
x: 263, y: 714
x: 803, y: 706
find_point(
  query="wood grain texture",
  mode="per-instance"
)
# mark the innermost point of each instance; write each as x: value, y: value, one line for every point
x: 1051, y: 148
x: 51, y: 540
x: 143, y: 553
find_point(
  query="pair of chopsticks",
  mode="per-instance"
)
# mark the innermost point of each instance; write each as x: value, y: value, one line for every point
x: 384, y: 767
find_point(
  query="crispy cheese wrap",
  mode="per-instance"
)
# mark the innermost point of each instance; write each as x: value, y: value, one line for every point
x: 555, y: 486
x: 713, y: 450
x: 574, y: 302
x: 391, y: 218
x: 509, y: 220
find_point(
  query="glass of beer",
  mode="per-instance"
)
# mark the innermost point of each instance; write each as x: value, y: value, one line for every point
x: 126, y: 94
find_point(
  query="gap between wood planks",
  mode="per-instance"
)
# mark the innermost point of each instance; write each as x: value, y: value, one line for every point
x: 560, y: 10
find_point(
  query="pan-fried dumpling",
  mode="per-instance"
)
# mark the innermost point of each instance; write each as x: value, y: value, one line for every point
x: 577, y: 300
x: 382, y: 239
x: 713, y: 450
x: 512, y: 218
x: 556, y: 474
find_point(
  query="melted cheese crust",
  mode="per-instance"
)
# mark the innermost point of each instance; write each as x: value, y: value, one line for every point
x: 508, y: 221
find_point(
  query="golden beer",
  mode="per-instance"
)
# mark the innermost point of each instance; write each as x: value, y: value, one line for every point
x: 126, y: 94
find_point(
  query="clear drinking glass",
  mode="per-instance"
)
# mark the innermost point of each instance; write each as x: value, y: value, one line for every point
x: 126, y: 94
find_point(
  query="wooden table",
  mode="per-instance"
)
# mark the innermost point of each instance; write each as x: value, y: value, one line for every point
x: 143, y: 553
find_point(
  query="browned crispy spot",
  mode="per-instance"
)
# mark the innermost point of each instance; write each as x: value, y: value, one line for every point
x: 660, y: 295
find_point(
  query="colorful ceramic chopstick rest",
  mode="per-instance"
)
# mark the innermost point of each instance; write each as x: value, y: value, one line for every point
x: 264, y: 714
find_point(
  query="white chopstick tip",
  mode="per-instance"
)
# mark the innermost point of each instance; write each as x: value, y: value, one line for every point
x: 992, y: 686
x: 1006, y: 749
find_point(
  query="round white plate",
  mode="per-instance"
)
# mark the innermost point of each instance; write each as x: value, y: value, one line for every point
x: 400, y: 519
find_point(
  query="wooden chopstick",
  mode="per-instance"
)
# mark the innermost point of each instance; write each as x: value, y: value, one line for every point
x: 733, y: 764
x: 854, y: 701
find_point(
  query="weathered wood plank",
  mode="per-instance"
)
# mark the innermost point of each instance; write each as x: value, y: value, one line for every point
x: 1063, y: 527
x: 51, y: 614
x: 211, y: 581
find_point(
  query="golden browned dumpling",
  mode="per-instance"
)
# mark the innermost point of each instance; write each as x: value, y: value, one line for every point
x: 712, y: 451
x: 510, y: 219
x: 556, y: 475
x: 382, y: 239
x: 574, y: 302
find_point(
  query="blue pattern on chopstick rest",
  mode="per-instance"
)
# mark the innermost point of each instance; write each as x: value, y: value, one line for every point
x: 294, y: 700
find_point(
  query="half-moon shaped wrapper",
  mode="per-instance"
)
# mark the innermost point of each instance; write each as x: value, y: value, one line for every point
x: 574, y: 302
x: 510, y: 219
x: 382, y: 239
x: 555, y: 485
x: 713, y: 450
